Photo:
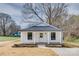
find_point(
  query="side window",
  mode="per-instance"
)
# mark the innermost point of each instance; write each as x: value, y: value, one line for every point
x: 41, y: 35
x: 53, y: 36
x: 29, y: 35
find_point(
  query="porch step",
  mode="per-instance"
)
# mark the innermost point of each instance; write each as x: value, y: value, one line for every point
x: 53, y: 45
x: 41, y: 45
x: 24, y: 45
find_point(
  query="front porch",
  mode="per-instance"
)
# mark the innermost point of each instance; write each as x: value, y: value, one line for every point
x: 41, y: 37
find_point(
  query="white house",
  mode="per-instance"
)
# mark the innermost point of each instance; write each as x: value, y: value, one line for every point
x: 41, y: 33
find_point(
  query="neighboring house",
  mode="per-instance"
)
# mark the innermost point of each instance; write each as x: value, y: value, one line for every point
x: 42, y: 33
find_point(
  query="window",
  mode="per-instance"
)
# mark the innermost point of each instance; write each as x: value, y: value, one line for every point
x: 53, y: 35
x: 29, y: 35
x: 41, y: 35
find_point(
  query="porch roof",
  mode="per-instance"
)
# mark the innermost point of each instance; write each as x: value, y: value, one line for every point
x: 41, y: 27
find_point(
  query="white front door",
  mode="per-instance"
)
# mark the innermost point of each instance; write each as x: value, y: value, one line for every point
x: 42, y: 37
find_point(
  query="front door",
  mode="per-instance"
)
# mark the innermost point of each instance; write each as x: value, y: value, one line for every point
x: 43, y: 37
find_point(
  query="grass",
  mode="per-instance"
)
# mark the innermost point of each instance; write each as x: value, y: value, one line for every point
x: 8, y: 38
x: 70, y: 45
x: 75, y: 41
x: 71, y: 42
x: 72, y: 39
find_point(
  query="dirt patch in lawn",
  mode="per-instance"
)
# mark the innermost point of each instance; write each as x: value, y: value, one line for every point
x: 7, y: 50
x: 7, y: 43
x: 26, y: 52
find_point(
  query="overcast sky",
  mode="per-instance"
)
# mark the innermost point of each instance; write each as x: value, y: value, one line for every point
x: 15, y: 10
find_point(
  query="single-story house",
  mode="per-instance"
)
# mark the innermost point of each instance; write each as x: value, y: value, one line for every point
x: 41, y: 33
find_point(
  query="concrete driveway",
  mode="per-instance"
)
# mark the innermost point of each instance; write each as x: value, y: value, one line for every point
x: 66, y: 51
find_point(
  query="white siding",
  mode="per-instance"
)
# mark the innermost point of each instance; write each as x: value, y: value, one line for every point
x: 24, y: 38
x: 37, y: 38
x: 58, y: 37
x: 46, y: 37
x: 34, y: 37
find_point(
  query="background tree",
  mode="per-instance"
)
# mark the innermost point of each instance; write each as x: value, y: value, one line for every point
x: 6, y: 24
x: 13, y: 28
x: 72, y: 26
x: 46, y: 12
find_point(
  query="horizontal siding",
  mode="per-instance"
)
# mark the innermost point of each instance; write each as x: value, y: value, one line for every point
x: 36, y: 39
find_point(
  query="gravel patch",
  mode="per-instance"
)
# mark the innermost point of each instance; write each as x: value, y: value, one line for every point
x: 66, y: 51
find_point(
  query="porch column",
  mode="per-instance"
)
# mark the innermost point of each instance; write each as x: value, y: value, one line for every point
x: 48, y: 37
x: 59, y: 36
x: 34, y: 37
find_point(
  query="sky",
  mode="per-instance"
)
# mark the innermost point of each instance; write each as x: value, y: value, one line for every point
x: 73, y: 8
x: 15, y: 10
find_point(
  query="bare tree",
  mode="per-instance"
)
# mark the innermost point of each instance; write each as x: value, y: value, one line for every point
x: 72, y: 26
x: 5, y: 23
x: 13, y: 27
x: 46, y: 12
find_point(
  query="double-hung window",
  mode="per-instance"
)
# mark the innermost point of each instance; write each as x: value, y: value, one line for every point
x: 53, y: 36
x: 29, y: 35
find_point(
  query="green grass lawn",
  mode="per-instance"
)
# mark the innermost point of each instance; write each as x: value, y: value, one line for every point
x: 73, y: 40
x: 8, y: 38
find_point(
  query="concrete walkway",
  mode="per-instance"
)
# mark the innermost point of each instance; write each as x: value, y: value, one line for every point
x: 63, y: 51
x: 66, y: 51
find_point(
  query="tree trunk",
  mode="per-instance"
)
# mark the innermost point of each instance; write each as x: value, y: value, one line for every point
x: 4, y: 32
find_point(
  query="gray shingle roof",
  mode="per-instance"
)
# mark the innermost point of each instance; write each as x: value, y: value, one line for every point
x: 41, y: 27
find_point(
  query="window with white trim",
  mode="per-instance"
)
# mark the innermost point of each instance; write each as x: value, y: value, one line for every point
x: 41, y: 35
x: 53, y: 35
x: 29, y: 35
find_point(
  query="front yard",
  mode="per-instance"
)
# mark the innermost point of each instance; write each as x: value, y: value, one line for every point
x: 6, y: 48
x: 26, y: 52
